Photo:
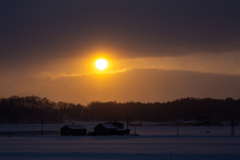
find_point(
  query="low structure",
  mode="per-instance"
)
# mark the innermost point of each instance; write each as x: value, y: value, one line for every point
x: 73, y: 130
x: 118, y: 124
x: 110, y: 128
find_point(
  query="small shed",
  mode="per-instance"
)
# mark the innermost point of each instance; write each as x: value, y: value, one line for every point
x: 118, y: 124
x: 105, y: 129
x: 122, y: 131
x: 110, y: 128
x: 73, y: 130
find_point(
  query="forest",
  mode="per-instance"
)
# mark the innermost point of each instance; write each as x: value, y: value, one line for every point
x: 34, y: 109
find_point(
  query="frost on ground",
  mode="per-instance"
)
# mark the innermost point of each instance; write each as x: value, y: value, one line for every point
x: 117, y: 147
x: 154, y: 142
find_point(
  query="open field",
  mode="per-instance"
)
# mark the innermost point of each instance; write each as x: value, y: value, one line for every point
x: 154, y: 142
x: 148, y: 129
x: 116, y: 147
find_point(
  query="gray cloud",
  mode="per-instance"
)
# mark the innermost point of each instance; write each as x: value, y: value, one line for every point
x: 35, y: 31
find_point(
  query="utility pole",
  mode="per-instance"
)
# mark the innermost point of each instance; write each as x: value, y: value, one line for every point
x: 127, y: 123
x: 232, y: 128
x: 42, y: 128
x: 177, y: 129
x: 33, y: 129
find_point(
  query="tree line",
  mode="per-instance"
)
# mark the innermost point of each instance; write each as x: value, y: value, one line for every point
x: 33, y: 109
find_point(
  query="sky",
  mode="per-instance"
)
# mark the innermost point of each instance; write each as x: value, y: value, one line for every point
x: 157, y: 50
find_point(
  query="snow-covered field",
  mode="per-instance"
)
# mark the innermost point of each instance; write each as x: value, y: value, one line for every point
x: 154, y: 142
x: 148, y: 129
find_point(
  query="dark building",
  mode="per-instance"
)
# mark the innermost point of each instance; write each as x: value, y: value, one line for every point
x: 105, y: 129
x: 122, y: 131
x: 118, y: 124
x: 110, y: 128
x: 73, y: 130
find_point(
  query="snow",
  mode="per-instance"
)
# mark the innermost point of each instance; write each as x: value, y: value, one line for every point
x: 75, y: 126
x: 154, y: 142
x: 148, y: 129
x: 109, y: 126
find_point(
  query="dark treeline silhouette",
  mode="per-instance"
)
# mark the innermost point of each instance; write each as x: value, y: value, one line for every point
x: 33, y: 109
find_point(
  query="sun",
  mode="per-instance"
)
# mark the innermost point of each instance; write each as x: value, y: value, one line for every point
x: 101, y: 64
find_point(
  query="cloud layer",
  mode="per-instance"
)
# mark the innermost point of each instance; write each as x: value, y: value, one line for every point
x: 144, y: 85
x: 46, y: 30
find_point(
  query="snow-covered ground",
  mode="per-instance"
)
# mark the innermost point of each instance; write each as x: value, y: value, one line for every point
x: 148, y: 128
x: 154, y: 142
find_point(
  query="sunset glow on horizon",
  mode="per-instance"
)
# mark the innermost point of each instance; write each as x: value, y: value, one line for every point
x: 150, y: 50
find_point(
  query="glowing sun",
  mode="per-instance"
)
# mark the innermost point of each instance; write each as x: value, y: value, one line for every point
x: 101, y: 64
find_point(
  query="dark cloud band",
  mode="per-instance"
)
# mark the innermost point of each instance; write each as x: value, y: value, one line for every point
x: 40, y: 29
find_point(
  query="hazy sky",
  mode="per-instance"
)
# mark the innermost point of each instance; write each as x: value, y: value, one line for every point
x: 158, y: 50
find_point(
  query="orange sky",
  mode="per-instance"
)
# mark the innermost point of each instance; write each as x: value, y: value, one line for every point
x: 141, y: 79
x: 156, y: 50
